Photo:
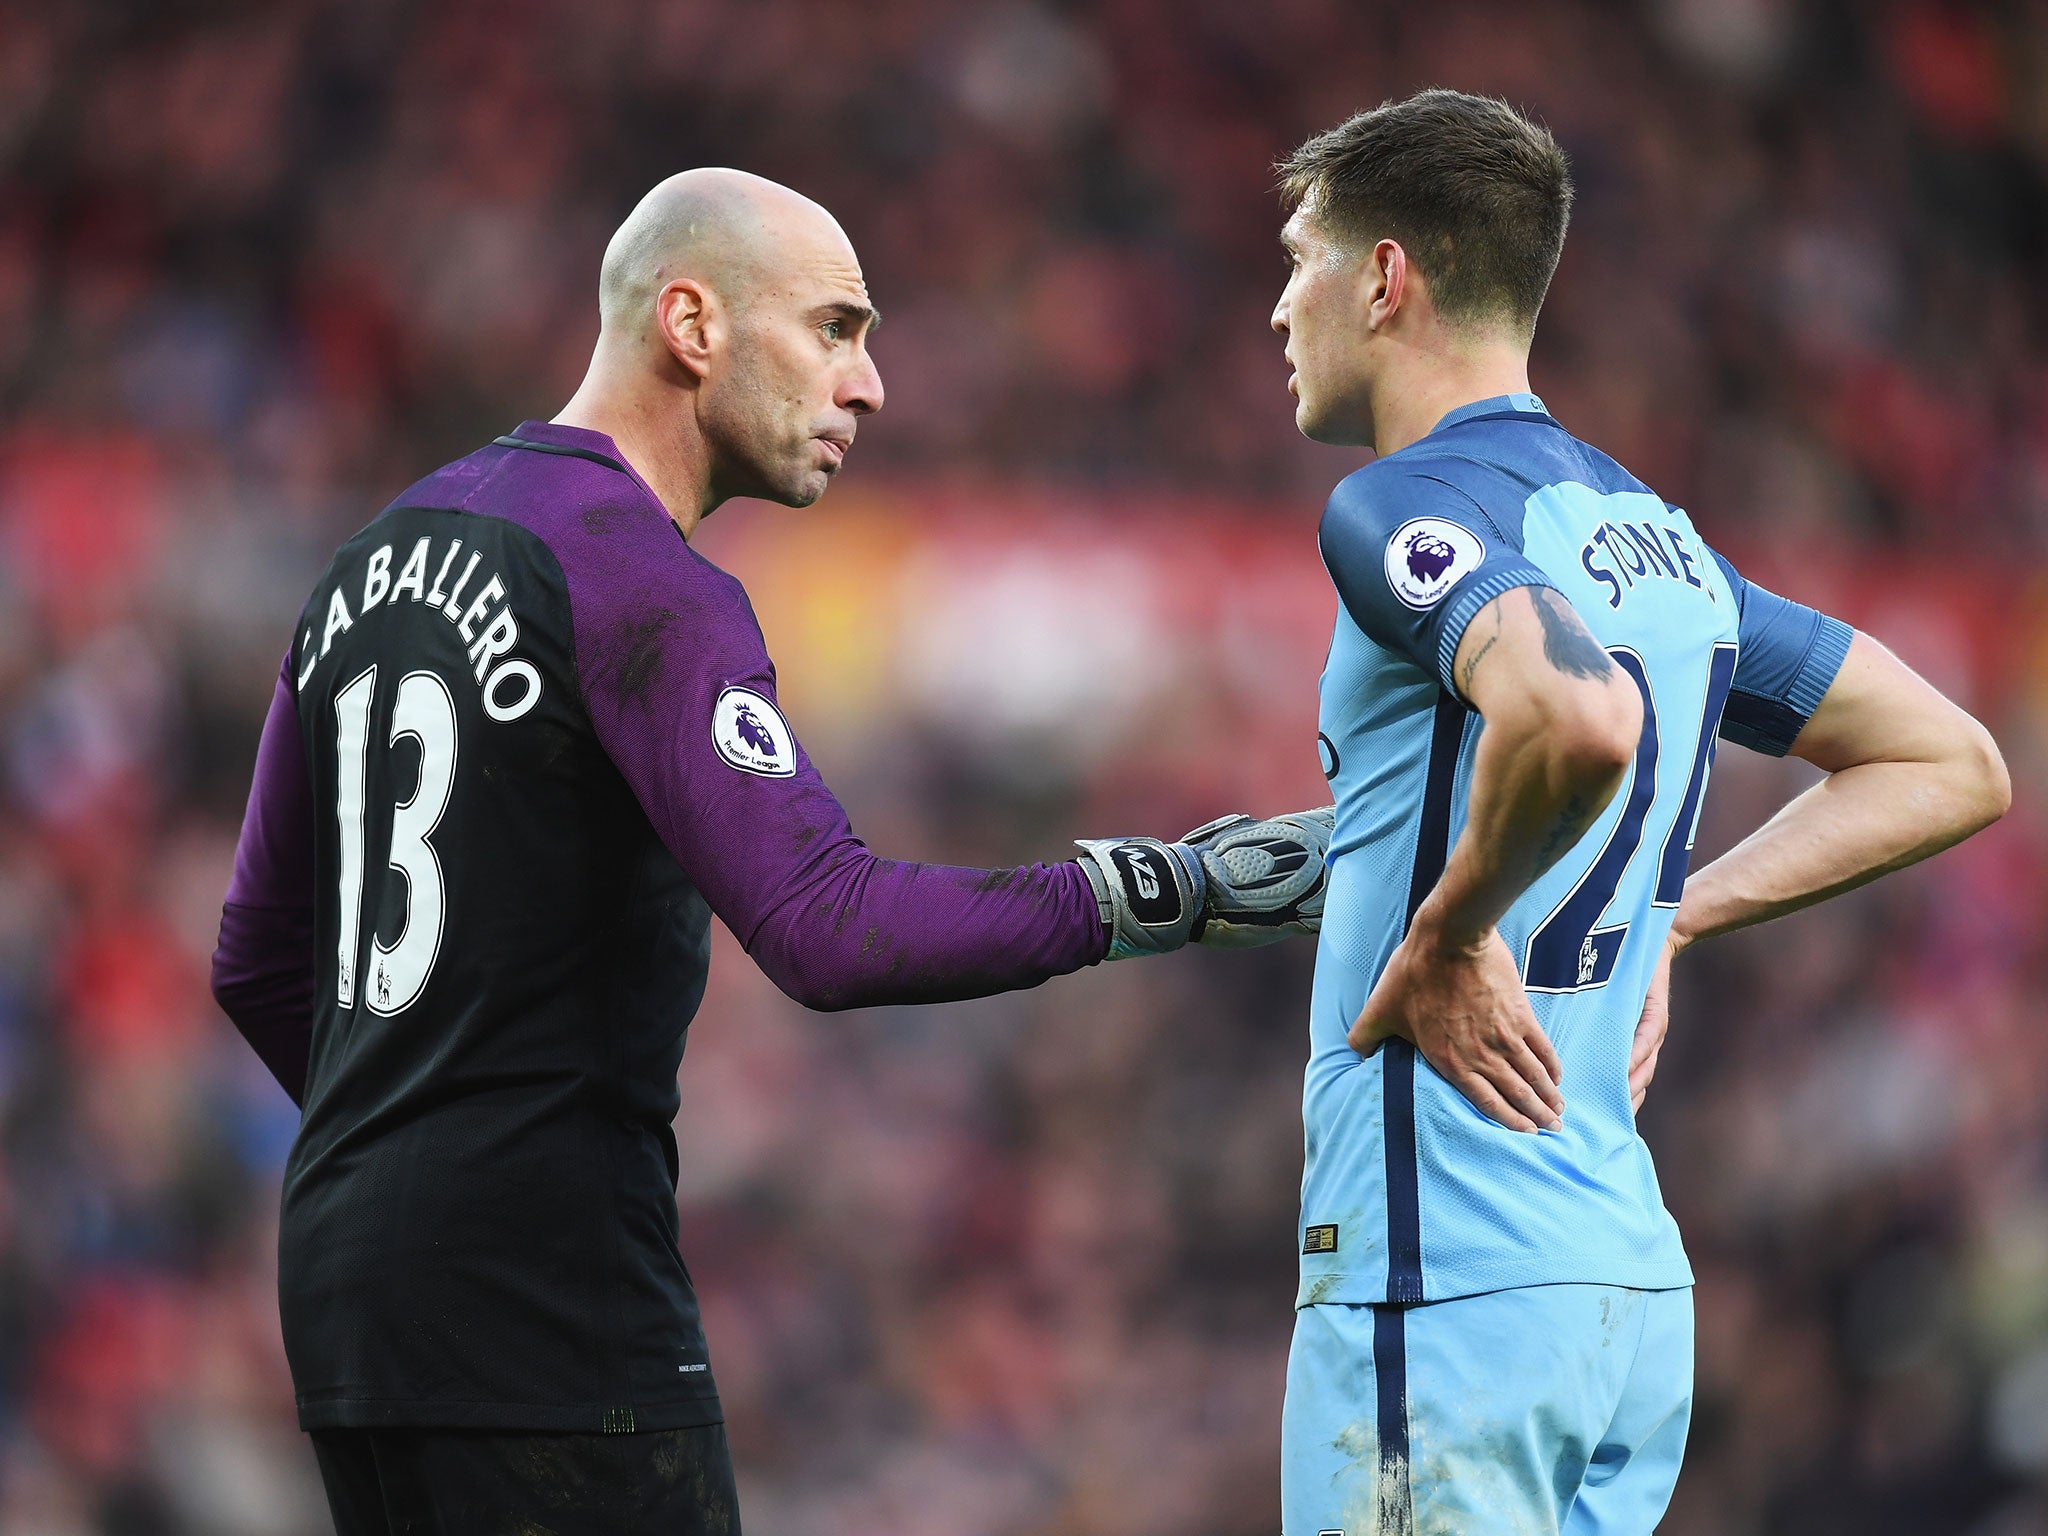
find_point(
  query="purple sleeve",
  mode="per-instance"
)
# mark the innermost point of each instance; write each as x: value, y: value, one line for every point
x: 263, y: 966
x: 681, y: 693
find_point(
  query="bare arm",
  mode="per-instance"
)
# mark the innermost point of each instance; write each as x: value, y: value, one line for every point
x: 1562, y: 723
x: 1909, y: 774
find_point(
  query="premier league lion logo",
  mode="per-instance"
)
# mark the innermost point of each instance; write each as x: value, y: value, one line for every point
x: 1429, y: 555
x: 754, y: 733
x: 746, y: 729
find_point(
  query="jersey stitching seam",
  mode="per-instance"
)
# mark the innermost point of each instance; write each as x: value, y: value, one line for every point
x: 1485, y: 516
x: 509, y: 440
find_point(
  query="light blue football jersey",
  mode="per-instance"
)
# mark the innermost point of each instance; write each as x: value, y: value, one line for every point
x: 1409, y: 1193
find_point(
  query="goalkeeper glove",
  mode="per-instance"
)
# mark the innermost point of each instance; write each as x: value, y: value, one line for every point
x: 1150, y: 893
x: 1265, y: 878
x: 1231, y: 883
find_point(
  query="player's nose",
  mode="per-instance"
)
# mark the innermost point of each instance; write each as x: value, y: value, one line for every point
x: 1279, y: 322
x: 861, y: 392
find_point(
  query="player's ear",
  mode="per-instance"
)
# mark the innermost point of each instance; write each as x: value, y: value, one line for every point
x: 690, y: 321
x: 1382, y: 282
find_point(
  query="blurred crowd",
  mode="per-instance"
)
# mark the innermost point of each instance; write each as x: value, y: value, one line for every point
x: 1024, y: 1267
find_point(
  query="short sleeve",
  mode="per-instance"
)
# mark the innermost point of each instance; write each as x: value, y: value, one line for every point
x: 1414, y: 558
x: 1789, y: 657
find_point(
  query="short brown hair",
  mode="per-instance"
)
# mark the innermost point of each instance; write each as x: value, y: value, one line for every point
x: 1477, y: 194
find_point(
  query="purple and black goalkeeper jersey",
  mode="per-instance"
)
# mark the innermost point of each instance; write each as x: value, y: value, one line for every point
x: 525, y: 743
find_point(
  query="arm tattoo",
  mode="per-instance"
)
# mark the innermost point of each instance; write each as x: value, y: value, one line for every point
x: 1472, y: 662
x: 1567, y: 644
x: 1567, y: 829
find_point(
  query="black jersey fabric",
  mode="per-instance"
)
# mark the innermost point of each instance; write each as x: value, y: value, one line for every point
x: 467, y: 1482
x: 479, y: 1221
x: 525, y: 743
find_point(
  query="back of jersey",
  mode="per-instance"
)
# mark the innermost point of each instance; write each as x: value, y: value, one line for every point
x: 1410, y: 1193
x: 479, y: 1218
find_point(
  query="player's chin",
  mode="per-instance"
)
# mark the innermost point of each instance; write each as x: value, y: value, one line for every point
x: 1328, y: 427
x: 804, y: 487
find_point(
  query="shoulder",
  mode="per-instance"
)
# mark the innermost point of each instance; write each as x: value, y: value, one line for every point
x: 1401, y: 509
x: 1403, y: 484
x: 634, y: 586
x: 614, y: 541
x: 637, y: 590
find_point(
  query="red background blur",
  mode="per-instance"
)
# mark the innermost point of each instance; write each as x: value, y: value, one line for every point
x: 1020, y: 1268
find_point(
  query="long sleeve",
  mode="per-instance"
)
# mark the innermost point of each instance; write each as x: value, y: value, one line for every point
x: 682, y: 695
x: 263, y: 965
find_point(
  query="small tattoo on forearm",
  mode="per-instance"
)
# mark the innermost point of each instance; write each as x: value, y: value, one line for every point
x: 1566, y: 830
x: 1472, y: 662
x: 1567, y: 644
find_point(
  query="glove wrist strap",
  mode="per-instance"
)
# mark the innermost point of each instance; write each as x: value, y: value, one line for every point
x: 1150, y: 893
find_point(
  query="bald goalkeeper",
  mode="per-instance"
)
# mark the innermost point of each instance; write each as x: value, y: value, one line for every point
x: 524, y: 744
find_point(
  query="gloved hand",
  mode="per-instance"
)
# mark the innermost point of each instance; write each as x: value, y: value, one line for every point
x: 1232, y: 883
x: 1265, y: 879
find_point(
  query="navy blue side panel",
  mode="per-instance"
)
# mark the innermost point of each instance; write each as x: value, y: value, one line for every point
x: 1404, y: 1195
x: 1394, y: 1498
x: 1433, y: 843
x: 1432, y: 848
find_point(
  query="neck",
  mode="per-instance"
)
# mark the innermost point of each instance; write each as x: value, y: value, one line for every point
x: 644, y: 427
x: 1416, y: 398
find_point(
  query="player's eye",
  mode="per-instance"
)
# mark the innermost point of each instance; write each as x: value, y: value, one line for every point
x: 832, y: 329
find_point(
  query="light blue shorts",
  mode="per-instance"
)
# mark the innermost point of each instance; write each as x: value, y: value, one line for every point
x: 1554, y: 1410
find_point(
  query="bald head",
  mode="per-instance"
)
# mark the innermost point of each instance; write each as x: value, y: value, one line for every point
x: 733, y: 351
x: 727, y: 229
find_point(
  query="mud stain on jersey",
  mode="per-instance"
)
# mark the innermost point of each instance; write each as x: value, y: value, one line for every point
x: 639, y: 656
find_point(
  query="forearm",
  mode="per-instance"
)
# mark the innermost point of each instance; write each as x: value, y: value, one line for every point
x: 1562, y: 725
x: 1856, y: 824
x: 1533, y: 796
x: 865, y: 931
x: 1909, y: 774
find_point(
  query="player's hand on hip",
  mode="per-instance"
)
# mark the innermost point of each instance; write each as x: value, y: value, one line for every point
x: 1465, y: 1010
x: 1651, y: 1027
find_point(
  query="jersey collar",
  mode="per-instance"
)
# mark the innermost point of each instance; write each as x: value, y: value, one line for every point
x: 1498, y: 405
x: 582, y: 443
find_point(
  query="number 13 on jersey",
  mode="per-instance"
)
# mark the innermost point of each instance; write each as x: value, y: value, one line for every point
x: 425, y: 711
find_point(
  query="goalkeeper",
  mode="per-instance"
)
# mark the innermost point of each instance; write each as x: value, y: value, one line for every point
x: 526, y: 741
